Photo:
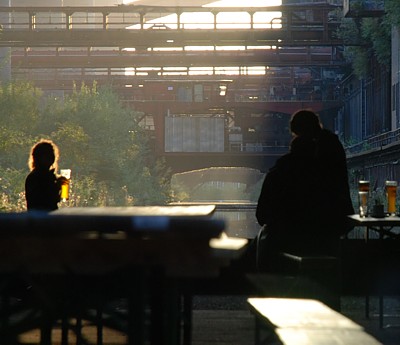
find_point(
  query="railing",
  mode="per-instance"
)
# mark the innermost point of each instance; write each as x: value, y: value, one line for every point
x: 100, y: 26
x: 139, y: 17
x: 163, y: 17
x: 375, y: 143
x: 257, y: 147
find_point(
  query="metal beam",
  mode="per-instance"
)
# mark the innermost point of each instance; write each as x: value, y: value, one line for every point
x: 307, y: 56
x: 143, y: 39
x: 107, y: 27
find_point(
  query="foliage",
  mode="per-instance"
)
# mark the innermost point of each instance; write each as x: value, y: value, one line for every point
x: 392, y: 9
x: 99, y: 139
x: 19, y: 112
x: 11, y: 190
x: 378, y: 33
x: 378, y: 196
x: 367, y: 38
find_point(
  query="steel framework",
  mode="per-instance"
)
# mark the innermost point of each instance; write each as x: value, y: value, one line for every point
x: 291, y: 46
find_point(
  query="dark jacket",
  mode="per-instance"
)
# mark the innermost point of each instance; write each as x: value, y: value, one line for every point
x: 306, y: 194
x: 42, y: 192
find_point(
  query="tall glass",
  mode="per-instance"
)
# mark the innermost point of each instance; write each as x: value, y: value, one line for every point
x: 363, y: 197
x: 391, y: 191
x: 65, y: 183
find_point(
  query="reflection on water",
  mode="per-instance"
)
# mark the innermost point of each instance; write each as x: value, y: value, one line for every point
x: 218, y: 184
x: 239, y: 218
x: 233, y: 190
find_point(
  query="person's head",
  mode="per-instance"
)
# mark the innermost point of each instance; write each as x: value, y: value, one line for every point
x: 305, y: 123
x: 44, y: 155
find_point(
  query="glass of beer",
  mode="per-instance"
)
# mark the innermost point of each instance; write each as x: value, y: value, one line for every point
x: 65, y: 184
x: 363, y: 197
x: 391, y: 191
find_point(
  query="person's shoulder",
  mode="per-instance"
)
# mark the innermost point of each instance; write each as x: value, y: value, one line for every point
x: 283, y: 160
x: 31, y: 180
x: 329, y: 138
x: 326, y: 133
x: 37, y: 175
x: 31, y: 175
x: 282, y: 164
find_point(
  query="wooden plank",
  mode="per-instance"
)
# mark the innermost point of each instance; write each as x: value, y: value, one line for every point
x: 187, y: 221
x: 300, y: 313
x: 170, y: 211
x: 305, y: 321
x: 325, y: 337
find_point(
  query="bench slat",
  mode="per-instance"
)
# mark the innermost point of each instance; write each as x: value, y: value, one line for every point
x: 305, y: 321
x: 324, y: 337
x: 300, y: 313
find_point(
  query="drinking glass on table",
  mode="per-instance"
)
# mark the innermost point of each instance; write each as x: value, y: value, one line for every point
x: 363, y: 197
x: 391, y: 191
x: 65, y: 183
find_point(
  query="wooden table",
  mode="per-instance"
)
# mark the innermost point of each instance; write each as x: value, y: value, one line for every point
x: 386, y: 229
x: 145, y: 249
x: 383, y: 226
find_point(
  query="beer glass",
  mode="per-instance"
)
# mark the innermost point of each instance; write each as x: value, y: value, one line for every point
x: 363, y: 197
x: 391, y: 191
x: 65, y: 184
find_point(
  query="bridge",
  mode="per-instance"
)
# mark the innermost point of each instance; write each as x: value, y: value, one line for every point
x: 245, y: 66
x: 153, y: 26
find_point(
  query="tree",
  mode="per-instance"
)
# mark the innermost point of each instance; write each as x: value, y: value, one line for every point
x: 99, y: 139
x: 19, y: 114
x: 104, y: 140
x: 367, y: 38
x: 392, y: 10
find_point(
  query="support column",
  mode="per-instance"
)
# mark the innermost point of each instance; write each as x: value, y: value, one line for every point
x: 5, y: 52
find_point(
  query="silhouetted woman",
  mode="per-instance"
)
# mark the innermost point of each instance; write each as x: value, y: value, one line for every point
x: 42, y: 185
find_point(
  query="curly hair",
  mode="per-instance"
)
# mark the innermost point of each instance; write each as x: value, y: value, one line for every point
x: 43, y: 149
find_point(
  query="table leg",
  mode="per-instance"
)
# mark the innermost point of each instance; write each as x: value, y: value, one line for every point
x: 78, y: 326
x: 380, y: 294
x: 99, y: 324
x: 367, y: 296
x: 64, y: 330
x: 165, y: 311
x: 157, y: 290
x: 136, y: 309
x: 380, y: 311
x: 45, y: 330
x: 173, y: 313
x: 187, y: 318
x: 5, y: 312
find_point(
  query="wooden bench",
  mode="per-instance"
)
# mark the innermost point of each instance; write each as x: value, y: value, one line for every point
x: 313, y: 276
x: 286, y: 321
x: 323, y: 270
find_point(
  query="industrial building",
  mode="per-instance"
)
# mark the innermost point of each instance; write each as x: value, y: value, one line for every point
x: 215, y: 88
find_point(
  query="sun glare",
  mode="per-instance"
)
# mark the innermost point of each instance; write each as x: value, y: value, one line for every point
x: 232, y: 3
x: 249, y: 3
x: 204, y: 20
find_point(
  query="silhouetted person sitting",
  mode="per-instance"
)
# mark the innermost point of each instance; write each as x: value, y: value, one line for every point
x: 305, y: 198
x: 42, y: 185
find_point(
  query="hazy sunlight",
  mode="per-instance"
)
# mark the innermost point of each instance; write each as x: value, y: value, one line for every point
x: 205, y: 20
